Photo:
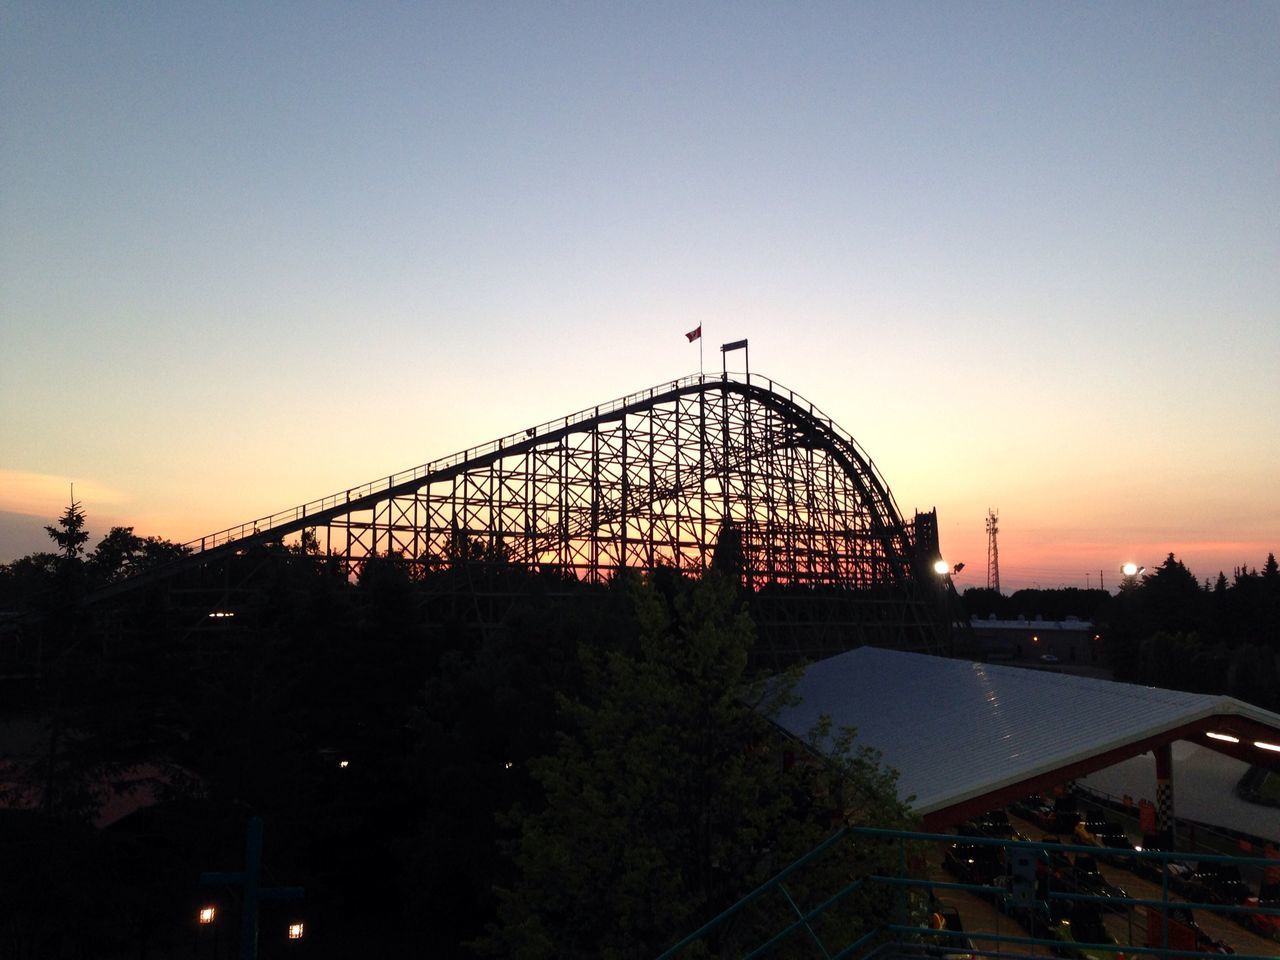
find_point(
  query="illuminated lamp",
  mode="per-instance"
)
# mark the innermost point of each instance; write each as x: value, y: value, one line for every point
x: 1274, y: 748
x: 207, y: 914
x: 940, y: 567
x: 295, y: 931
x: 1214, y: 735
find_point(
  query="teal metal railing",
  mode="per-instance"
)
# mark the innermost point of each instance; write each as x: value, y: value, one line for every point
x: 896, y: 935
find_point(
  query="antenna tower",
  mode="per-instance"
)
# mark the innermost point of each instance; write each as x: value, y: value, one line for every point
x: 993, y: 553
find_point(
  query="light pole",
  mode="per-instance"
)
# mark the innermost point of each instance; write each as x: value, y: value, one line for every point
x: 948, y: 603
x: 206, y: 920
x: 250, y: 882
x: 1130, y: 571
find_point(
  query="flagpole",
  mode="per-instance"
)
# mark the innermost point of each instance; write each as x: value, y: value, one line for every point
x: 699, y: 354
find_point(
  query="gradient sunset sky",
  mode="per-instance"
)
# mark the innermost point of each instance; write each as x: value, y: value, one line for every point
x: 1028, y: 254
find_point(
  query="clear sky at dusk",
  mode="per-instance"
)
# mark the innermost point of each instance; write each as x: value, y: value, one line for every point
x: 1028, y: 254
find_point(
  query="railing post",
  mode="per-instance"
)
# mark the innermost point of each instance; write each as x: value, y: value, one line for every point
x: 902, y: 890
x: 1164, y: 903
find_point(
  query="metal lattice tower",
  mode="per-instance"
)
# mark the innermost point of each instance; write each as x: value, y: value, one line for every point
x: 704, y: 467
x: 993, y: 552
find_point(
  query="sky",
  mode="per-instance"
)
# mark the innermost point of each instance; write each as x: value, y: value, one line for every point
x: 1027, y: 254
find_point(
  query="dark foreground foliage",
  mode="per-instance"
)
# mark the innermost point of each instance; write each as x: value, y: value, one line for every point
x: 591, y: 778
x: 668, y: 796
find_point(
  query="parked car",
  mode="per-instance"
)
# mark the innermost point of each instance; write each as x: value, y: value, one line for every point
x: 1152, y: 869
x: 1054, y: 865
x: 993, y: 824
x: 974, y: 863
x: 1263, y: 924
x: 1085, y: 877
x: 1032, y: 913
x: 1030, y: 807
x: 954, y: 943
x: 1059, y: 816
x: 1184, y: 932
x: 1088, y: 828
x: 1119, y: 849
x: 1213, y: 883
x: 1083, y: 925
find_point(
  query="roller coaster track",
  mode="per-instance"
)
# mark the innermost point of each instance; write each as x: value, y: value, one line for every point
x: 663, y: 477
x: 730, y: 443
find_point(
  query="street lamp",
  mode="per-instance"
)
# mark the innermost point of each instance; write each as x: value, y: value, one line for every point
x: 1131, y: 569
x: 940, y: 567
x: 206, y: 931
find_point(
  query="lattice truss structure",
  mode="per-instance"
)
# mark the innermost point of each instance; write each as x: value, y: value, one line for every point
x: 647, y: 481
x: 737, y: 471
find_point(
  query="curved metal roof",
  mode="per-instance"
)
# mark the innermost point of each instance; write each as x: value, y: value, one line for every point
x: 966, y: 737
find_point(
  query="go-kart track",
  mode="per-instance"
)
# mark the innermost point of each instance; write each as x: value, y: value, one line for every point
x: 1129, y: 928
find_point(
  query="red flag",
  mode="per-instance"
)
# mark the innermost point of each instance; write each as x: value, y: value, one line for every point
x: 695, y: 333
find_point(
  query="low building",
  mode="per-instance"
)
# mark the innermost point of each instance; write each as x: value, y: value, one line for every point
x: 1044, y: 641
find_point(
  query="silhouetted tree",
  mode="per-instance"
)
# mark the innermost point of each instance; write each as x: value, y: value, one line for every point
x: 982, y: 602
x: 27, y: 582
x: 666, y: 799
x: 122, y: 553
x: 70, y: 534
x: 1252, y: 676
x: 1173, y: 598
x: 1269, y: 603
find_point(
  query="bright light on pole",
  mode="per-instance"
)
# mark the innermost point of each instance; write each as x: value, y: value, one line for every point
x: 940, y: 568
x: 208, y: 914
x: 1131, y: 569
x: 295, y: 931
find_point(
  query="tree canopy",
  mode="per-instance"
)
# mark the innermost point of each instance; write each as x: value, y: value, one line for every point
x: 668, y: 797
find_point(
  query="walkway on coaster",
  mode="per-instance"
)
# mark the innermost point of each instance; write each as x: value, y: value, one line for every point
x: 969, y: 737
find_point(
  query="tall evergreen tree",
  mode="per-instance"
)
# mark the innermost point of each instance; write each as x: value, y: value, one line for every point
x: 1268, y: 618
x: 70, y: 534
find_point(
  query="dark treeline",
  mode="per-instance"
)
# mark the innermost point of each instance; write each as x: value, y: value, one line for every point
x: 1167, y: 629
x: 587, y: 779
x: 1046, y: 604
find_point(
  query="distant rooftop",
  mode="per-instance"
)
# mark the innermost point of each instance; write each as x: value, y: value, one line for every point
x: 959, y: 732
x: 980, y: 623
